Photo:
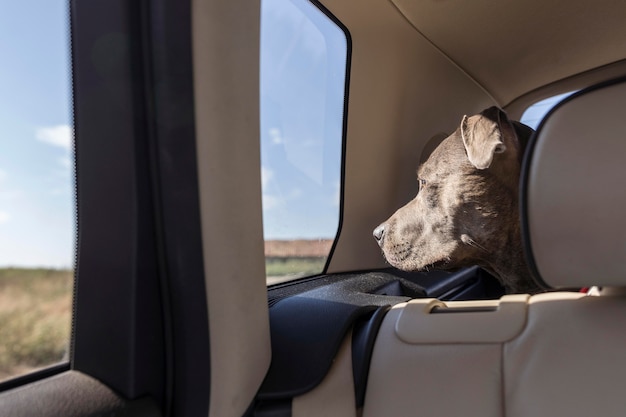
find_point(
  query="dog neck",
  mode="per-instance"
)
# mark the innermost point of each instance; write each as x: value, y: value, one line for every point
x: 514, y: 276
x: 511, y: 268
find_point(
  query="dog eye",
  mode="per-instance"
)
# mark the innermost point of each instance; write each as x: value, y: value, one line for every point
x: 421, y: 182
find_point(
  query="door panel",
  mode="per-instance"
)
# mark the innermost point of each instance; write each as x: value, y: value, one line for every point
x: 72, y: 394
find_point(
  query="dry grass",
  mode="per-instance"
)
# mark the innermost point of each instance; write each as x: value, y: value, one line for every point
x: 290, y: 259
x: 293, y: 266
x: 35, y: 318
x: 36, y: 311
x: 299, y: 248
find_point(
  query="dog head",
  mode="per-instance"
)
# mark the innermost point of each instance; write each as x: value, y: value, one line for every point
x: 466, y: 210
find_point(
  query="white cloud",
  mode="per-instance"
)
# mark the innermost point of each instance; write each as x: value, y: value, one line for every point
x: 61, y: 136
x: 65, y: 162
x: 266, y: 176
x: 286, y: 16
x: 271, y: 202
x: 4, y: 217
x: 276, y: 136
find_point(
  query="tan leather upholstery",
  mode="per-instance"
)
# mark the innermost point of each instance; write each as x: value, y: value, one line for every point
x: 431, y: 379
x: 553, y: 354
x: 226, y: 92
x: 567, y: 360
x: 570, y: 360
x: 334, y: 397
x: 576, y: 202
x: 417, y: 325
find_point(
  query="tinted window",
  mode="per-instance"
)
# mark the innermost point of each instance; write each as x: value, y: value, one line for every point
x: 535, y: 113
x: 37, y: 225
x: 303, y: 68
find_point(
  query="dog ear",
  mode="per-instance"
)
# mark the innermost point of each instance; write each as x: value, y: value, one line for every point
x: 484, y: 135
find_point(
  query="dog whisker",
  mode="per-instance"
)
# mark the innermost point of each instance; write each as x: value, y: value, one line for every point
x: 471, y: 242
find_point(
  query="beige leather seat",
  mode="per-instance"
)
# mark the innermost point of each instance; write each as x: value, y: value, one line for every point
x: 554, y: 354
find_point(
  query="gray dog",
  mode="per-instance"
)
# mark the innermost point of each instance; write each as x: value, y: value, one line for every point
x: 466, y: 210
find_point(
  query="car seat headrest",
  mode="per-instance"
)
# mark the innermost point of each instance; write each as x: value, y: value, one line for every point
x: 573, y: 191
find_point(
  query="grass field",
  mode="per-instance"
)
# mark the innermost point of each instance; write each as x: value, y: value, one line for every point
x: 36, y: 311
x: 35, y: 318
x: 283, y: 269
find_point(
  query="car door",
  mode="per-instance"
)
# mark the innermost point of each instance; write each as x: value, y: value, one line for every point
x: 140, y: 335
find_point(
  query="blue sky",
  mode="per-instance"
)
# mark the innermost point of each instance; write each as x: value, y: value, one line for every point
x: 533, y: 115
x: 36, y: 186
x: 303, y: 59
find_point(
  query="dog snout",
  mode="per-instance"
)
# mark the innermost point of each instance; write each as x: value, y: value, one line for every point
x: 379, y: 233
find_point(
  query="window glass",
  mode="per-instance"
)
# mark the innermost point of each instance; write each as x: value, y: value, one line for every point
x: 303, y: 69
x: 37, y: 225
x: 535, y: 113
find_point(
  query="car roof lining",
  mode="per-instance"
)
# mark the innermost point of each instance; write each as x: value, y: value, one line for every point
x: 511, y: 48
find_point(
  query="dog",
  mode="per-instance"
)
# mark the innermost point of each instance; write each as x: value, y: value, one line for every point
x: 466, y: 208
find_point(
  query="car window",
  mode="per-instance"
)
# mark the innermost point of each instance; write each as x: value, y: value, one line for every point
x: 37, y: 221
x: 303, y: 81
x: 534, y: 114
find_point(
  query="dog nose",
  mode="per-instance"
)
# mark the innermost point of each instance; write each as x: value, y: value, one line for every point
x: 379, y: 233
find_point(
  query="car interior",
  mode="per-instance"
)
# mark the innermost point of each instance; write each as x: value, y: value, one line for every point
x: 172, y: 313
